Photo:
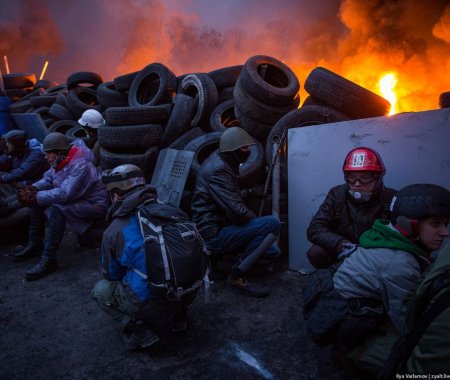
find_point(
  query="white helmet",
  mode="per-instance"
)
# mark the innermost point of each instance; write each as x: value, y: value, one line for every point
x: 124, y: 177
x: 92, y: 119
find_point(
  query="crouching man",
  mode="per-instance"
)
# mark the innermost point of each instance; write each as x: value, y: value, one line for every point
x: 71, y: 192
x: 125, y: 292
x: 362, y: 307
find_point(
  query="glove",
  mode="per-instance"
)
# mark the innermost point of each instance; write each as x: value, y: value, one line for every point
x: 347, y: 249
x: 27, y: 196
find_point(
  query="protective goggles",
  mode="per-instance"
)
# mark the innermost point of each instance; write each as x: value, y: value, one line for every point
x: 363, y: 179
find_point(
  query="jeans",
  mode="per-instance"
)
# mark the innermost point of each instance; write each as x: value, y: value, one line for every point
x: 247, y: 237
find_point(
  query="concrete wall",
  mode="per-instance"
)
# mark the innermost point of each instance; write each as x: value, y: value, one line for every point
x: 415, y: 148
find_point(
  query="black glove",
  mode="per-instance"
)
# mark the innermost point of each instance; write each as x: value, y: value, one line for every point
x: 27, y: 196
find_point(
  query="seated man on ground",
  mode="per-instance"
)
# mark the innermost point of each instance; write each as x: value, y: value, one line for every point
x: 367, y: 295
x: 71, y: 192
x: 91, y: 121
x: 125, y: 292
x: 350, y: 209
x: 224, y: 221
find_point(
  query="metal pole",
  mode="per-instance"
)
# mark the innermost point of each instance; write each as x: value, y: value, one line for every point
x: 276, y: 182
x: 2, y: 85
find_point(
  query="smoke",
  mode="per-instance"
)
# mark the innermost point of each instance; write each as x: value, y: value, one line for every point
x: 359, y: 39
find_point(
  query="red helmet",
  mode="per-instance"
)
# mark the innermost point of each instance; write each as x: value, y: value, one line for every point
x: 363, y: 159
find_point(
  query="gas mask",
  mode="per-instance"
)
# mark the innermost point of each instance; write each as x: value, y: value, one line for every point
x: 360, y: 196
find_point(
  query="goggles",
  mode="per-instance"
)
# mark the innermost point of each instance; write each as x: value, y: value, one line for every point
x: 363, y: 179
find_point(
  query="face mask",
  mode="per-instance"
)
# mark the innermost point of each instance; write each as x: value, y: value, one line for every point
x: 360, y: 196
x: 242, y: 155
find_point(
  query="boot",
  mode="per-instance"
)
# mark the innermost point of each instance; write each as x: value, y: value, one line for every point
x: 238, y: 284
x: 55, y: 232
x: 29, y: 251
x: 137, y: 334
x: 43, y: 268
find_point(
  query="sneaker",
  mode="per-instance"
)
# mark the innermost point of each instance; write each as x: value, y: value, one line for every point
x: 241, y: 286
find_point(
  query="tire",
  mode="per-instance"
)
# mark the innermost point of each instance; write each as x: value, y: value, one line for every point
x: 155, y: 84
x: 61, y: 112
x: 223, y: 117
x: 43, y: 100
x: 345, y: 96
x: 180, y: 119
x: 255, y: 128
x: 305, y: 116
x: 18, y: 92
x: 250, y: 172
x: 146, y: 161
x: 123, y: 82
x: 225, y: 76
x: 203, y: 146
x: 20, y: 107
x: 45, y: 83
x: 76, y: 132
x: 35, y: 93
x: 225, y: 94
x: 83, y: 77
x: 61, y: 99
x: 108, y: 96
x: 312, y: 101
x: 203, y: 87
x: 56, y: 89
x: 137, y: 115
x: 62, y: 126
x: 444, y: 100
x: 125, y: 139
x: 185, y: 138
x: 19, y: 80
x: 269, y: 80
x: 80, y: 99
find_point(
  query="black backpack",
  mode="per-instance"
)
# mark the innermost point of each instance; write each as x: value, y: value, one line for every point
x: 176, y: 257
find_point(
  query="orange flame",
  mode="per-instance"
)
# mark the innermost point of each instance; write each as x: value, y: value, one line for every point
x: 387, y: 84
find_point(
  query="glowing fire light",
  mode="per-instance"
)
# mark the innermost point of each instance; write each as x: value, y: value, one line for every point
x: 43, y: 70
x: 387, y: 84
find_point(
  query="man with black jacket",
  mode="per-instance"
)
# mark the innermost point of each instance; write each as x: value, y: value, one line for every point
x: 225, y: 223
x: 349, y: 209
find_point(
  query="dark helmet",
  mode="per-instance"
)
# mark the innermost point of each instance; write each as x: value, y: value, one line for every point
x: 16, y: 138
x: 55, y: 141
x: 123, y: 177
x: 364, y: 159
x: 234, y: 138
x: 415, y: 202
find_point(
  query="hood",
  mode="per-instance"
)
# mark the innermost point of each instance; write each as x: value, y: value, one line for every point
x: 34, y: 144
x: 83, y: 152
x: 383, y: 236
x: 129, y: 202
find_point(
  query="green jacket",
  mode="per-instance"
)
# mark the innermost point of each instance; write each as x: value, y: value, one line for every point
x: 432, y: 353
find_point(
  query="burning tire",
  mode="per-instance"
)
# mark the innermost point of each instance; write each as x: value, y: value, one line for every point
x: 269, y: 80
x: 19, y: 80
x: 180, y: 119
x: 345, y: 96
x: 155, y: 84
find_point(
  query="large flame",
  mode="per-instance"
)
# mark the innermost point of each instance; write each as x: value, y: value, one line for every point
x: 387, y: 84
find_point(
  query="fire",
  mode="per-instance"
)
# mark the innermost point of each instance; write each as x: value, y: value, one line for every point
x: 387, y: 84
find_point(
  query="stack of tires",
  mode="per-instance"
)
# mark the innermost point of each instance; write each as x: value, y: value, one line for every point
x: 18, y: 85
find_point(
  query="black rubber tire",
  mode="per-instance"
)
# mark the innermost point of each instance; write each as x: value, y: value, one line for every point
x: 203, y: 146
x: 201, y: 86
x: 20, y: 107
x: 312, y: 101
x: 269, y: 80
x: 18, y: 92
x: 345, y: 96
x: 225, y: 76
x: 225, y: 94
x: 45, y: 83
x: 137, y: 115
x: 155, y: 84
x: 43, y: 111
x: 61, y: 98
x: 223, y: 117
x: 43, y: 100
x: 35, y: 93
x: 108, y: 96
x: 180, y: 119
x: 251, y: 171
x: 146, y: 161
x: 123, y: 82
x: 61, y: 112
x: 80, y: 99
x: 76, y: 132
x: 56, y: 89
x: 48, y: 121
x: 256, y: 110
x: 19, y: 80
x: 308, y: 115
x: 129, y: 138
x: 444, y: 100
x: 255, y: 128
x: 83, y: 77
x: 186, y: 137
x: 63, y: 126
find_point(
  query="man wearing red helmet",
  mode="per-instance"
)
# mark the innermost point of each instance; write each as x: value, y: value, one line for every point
x: 349, y: 209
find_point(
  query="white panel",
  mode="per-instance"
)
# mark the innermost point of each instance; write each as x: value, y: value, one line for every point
x: 415, y: 148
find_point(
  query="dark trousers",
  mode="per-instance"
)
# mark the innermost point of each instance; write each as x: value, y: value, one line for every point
x: 320, y: 258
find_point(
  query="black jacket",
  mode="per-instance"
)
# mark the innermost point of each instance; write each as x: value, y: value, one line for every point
x: 341, y: 218
x: 217, y: 201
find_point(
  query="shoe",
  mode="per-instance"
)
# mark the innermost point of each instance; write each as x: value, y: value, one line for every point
x: 29, y: 251
x: 138, y: 334
x: 241, y: 286
x: 43, y: 268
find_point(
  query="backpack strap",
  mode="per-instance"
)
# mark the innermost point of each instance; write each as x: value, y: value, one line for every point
x: 340, y: 201
x: 402, y: 349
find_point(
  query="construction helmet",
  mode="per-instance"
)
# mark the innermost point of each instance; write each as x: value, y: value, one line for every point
x: 91, y: 119
x: 16, y: 139
x: 234, y: 138
x: 55, y: 141
x: 419, y: 201
x: 364, y: 159
x: 123, y: 177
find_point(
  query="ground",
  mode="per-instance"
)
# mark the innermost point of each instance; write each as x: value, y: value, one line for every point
x: 51, y: 329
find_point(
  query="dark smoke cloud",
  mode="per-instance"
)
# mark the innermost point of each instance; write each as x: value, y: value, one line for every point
x: 357, y: 38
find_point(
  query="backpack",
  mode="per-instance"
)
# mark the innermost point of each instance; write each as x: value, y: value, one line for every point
x: 177, y: 259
